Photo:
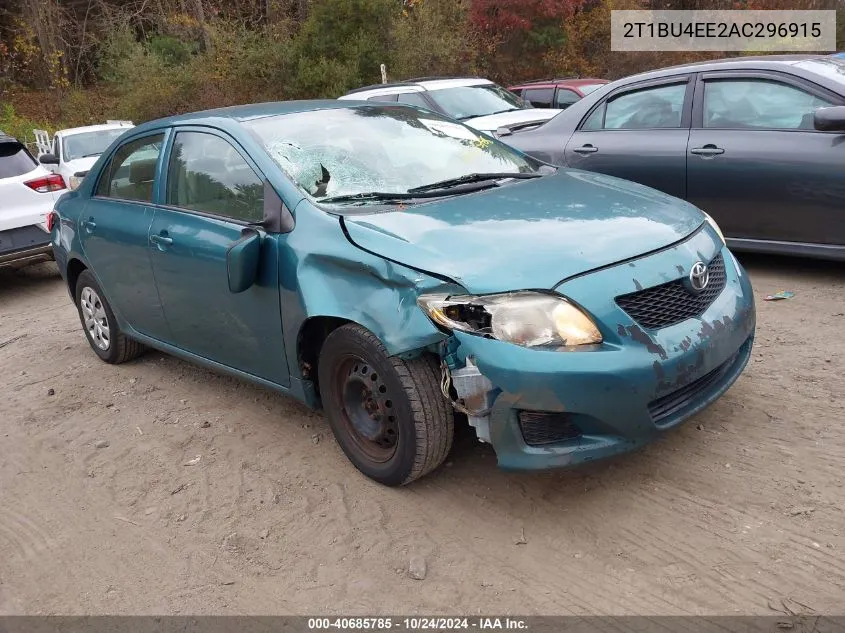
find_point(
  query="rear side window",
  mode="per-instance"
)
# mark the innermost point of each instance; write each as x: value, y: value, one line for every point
x: 15, y: 160
x: 382, y: 98
x: 650, y: 108
x: 131, y: 171
x: 539, y: 97
x: 207, y: 174
x: 413, y: 98
x: 565, y: 98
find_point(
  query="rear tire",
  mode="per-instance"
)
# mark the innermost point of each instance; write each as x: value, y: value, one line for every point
x: 388, y: 414
x: 100, y: 325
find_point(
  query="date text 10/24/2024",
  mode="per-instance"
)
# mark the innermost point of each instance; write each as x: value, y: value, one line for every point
x: 417, y: 624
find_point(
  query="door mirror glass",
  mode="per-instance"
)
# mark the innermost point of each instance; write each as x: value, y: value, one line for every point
x: 830, y: 119
x: 48, y: 159
x: 242, y: 261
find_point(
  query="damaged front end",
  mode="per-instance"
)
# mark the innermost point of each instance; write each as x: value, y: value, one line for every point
x: 556, y: 404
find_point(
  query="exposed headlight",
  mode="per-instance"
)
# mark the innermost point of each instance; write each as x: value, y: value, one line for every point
x: 714, y: 226
x: 529, y: 319
x: 73, y: 182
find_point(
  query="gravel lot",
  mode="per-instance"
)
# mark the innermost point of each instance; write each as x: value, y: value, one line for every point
x: 104, y: 507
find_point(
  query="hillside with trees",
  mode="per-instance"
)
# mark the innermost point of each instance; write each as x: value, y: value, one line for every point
x: 69, y: 62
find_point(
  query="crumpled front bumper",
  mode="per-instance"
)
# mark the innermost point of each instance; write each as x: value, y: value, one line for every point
x: 636, y: 384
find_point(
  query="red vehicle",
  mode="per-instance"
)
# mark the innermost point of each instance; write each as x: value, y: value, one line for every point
x: 556, y: 93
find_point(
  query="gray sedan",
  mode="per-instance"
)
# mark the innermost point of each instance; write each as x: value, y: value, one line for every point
x: 758, y: 143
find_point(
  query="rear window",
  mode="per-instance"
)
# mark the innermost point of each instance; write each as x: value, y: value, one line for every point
x: 15, y: 160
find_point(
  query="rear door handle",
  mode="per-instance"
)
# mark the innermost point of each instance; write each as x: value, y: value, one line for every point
x: 90, y: 225
x: 586, y: 149
x: 707, y: 150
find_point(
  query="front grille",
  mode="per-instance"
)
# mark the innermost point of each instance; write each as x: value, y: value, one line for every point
x: 540, y: 428
x: 670, y: 404
x: 671, y: 303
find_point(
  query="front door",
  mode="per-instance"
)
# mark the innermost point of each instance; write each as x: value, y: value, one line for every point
x: 211, y: 193
x: 114, y: 229
x: 640, y: 134
x: 758, y: 166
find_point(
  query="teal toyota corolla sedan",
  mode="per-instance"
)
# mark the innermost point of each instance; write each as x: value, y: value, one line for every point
x: 394, y: 267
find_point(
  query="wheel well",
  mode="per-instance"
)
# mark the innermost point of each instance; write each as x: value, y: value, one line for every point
x: 74, y: 269
x: 312, y: 335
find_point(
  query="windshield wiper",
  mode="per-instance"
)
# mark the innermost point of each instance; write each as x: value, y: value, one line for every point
x: 368, y: 196
x: 469, y: 178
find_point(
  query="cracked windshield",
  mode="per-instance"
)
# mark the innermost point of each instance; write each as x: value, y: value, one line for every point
x: 385, y: 149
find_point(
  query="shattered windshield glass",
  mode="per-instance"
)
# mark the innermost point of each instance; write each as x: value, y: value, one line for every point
x: 390, y: 149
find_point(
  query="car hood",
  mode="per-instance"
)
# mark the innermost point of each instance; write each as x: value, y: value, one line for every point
x: 492, y: 122
x: 530, y: 234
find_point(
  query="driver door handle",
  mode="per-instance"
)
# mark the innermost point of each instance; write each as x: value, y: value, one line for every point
x: 161, y: 240
x: 707, y: 150
x: 586, y: 149
x: 90, y: 225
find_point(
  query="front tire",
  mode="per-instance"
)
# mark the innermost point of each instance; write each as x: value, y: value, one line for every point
x: 388, y: 414
x: 100, y: 325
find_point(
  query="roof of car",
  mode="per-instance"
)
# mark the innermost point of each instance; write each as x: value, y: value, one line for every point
x: 761, y: 62
x: 94, y: 128
x: 562, y: 81
x: 426, y: 83
x: 252, y: 111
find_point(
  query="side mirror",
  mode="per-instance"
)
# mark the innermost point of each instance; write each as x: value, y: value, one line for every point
x: 830, y: 119
x: 242, y: 261
x: 48, y: 159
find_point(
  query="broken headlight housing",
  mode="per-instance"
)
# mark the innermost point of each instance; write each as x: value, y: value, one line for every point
x: 529, y: 319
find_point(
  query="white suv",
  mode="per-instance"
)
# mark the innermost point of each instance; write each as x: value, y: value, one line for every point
x: 74, y: 151
x: 28, y: 193
x: 479, y: 103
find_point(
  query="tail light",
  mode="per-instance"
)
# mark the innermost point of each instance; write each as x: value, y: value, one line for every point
x: 52, y: 220
x: 46, y: 184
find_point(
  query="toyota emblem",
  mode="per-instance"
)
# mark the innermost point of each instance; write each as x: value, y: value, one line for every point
x: 699, y: 276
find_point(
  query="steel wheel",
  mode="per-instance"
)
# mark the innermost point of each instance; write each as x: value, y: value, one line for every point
x: 95, y: 319
x: 366, y: 409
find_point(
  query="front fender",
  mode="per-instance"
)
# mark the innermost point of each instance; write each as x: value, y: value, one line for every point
x: 323, y: 275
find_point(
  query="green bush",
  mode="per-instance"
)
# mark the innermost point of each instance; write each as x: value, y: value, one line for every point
x: 20, y: 127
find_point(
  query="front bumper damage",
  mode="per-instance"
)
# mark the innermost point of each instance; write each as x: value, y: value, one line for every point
x: 546, y: 409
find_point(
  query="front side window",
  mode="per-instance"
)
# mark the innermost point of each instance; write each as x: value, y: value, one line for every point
x: 539, y: 97
x: 207, y: 174
x: 130, y: 173
x: 88, y: 144
x: 758, y: 103
x: 649, y: 108
x: 381, y: 148
x: 468, y: 102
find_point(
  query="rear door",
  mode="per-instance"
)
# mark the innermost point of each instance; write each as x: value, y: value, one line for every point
x: 211, y: 194
x: 114, y: 228
x: 757, y: 165
x: 638, y: 132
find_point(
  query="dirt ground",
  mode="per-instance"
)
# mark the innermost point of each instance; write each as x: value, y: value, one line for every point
x: 741, y: 510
